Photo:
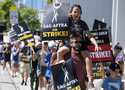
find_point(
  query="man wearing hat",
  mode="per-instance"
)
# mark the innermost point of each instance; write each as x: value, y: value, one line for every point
x: 119, y: 56
x: 113, y: 82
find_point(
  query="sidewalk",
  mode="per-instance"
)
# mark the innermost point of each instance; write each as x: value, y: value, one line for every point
x: 9, y: 83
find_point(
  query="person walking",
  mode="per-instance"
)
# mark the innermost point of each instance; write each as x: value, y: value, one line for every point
x: 15, y: 58
x: 81, y: 62
x: 1, y: 52
x: 7, y: 54
x: 114, y: 81
x: 24, y: 65
x: 119, y: 57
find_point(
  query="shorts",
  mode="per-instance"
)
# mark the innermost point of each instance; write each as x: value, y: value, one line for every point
x: 43, y: 70
x: 7, y: 58
x: 15, y: 64
x: 1, y: 56
x: 24, y: 67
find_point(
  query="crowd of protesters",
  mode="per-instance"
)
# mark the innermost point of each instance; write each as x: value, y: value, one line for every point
x: 19, y: 60
x: 36, y: 61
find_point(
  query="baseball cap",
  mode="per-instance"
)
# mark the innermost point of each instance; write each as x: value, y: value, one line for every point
x: 52, y: 44
x: 118, y: 46
x: 114, y: 66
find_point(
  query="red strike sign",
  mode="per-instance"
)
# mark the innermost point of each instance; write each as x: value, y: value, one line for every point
x: 105, y: 54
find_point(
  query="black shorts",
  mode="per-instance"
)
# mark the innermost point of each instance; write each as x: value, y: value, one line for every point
x: 7, y: 57
x: 1, y: 56
x: 43, y: 70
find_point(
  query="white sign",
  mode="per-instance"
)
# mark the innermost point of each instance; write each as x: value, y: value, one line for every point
x: 6, y: 38
x: 13, y: 15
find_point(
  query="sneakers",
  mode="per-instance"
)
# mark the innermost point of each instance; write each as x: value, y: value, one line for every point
x: 24, y: 83
x: 13, y: 76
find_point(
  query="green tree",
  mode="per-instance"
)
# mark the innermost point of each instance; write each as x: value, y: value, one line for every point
x: 30, y: 16
x: 26, y: 14
x: 2, y: 14
x: 49, y: 1
x: 4, y: 11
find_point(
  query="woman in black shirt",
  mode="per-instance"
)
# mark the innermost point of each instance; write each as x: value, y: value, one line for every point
x: 79, y: 27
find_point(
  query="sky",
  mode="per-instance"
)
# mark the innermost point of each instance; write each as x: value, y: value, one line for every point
x: 42, y: 4
x: 38, y: 4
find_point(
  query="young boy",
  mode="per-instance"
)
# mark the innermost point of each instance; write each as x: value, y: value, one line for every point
x: 113, y: 82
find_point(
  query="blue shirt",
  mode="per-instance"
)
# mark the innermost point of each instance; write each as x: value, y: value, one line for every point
x: 15, y: 55
x: 112, y: 84
x: 120, y: 57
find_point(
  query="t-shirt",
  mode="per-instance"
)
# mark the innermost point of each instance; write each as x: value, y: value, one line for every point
x: 1, y: 48
x: 120, y: 57
x: 15, y: 54
x: 1, y: 52
x: 79, y: 65
x: 112, y: 84
x: 82, y: 28
x: 79, y: 26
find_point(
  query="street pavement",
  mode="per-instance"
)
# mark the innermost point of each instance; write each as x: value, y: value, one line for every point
x: 9, y: 83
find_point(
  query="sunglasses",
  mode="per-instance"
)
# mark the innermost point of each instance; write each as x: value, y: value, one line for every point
x: 76, y: 42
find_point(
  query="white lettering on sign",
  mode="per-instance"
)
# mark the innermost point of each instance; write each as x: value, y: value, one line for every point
x: 55, y: 25
x: 100, y: 54
x: 67, y: 84
x: 100, y: 33
x: 100, y: 41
